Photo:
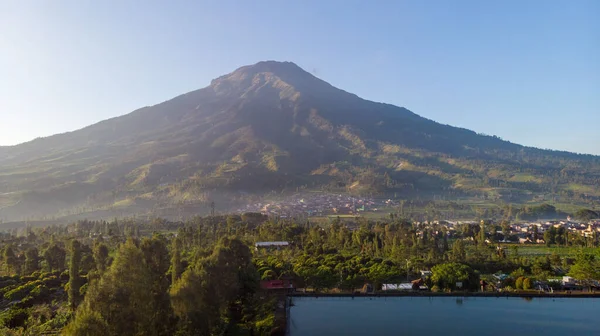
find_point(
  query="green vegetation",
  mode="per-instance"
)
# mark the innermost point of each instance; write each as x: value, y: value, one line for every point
x: 201, y: 277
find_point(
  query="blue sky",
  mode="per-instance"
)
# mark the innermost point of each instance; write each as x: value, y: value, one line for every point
x: 527, y: 71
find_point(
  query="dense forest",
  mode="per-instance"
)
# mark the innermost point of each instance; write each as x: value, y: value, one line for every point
x: 202, y: 276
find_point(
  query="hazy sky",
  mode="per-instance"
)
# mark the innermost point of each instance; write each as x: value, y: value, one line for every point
x: 527, y: 71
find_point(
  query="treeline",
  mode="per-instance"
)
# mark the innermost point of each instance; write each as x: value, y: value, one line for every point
x: 127, y: 281
x: 201, y: 277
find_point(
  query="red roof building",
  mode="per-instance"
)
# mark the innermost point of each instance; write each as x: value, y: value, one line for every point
x: 276, y: 284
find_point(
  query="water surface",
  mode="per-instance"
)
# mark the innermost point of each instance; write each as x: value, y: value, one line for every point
x: 444, y: 316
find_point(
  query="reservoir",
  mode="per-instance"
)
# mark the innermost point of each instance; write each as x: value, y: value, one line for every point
x: 504, y: 316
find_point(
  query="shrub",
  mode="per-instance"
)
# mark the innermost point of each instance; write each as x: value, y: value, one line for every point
x: 265, y: 325
x: 519, y: 283
x: 527, y: 284
x: 29, y: 278
x: 22, y: 291
x: 435, y: 289
x: 14, y: 317
x: 8, y: 288
x: 40, y: 291
x: 6, y: 283
x: 51, y: 281
x: 49, y: 274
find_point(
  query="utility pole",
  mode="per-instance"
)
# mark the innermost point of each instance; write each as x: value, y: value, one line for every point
x: 212, y: 208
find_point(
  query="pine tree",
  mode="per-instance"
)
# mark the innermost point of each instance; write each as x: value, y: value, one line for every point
x: 156, y: 257
x: 458, y: 251
x: 176, y: 265
x: 101, y: 257
x: 129, y: 313
x: 75, y: 280
x: 32, y: 260
x: 55, y: 257
x: 11, y: 260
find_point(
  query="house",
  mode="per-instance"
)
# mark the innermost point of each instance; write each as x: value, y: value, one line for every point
x: 425, y: 274
x: 396, y: 287
x: 281, y: 285
x: 568, y: 281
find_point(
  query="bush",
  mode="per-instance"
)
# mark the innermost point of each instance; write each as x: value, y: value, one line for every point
x: 435, y: 289
x: 6, y: 283
x: 527, y: 284
x: 519, y: 283
x: 265, y: 325
x: 10, y: 277
x: 51, y: 281
x: 60, y: 320
x: 29, y: 278
x: 8, y: 288
x: 49, y: 274
x: 14, y: 318
x: 39, y: 291
x: 27, y: 302
x: 22, y: 291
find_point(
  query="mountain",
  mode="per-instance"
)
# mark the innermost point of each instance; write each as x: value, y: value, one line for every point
x: 268, y: 127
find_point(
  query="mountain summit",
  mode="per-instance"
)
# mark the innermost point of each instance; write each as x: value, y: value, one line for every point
x: 286, y: 77
x: 268, y: 127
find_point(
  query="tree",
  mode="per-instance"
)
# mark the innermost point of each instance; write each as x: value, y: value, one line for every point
x: 505, y: 229
x: 481, y: 239
x: 458, y: 251
x: 555, y: 259
x: 519, y: 272
x: 586, y: 269
x: 324, y: 278
x: 176, y: 264
x: 75, y: 280
x: 11, y: 260
x: 214, y: 289
x: 118, y: 304
x: 55, y: 257
x: 447, y: 275
x: 519, y: 283
x: 156, y: 257
x: 87, y: 323
x: 101, y: 257
x: 87, y: 263
x: 550, y: 236
x: 527, y: 285
x: 32, y: 260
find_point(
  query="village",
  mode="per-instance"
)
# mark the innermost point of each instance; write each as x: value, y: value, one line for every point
x: 306, y: 205
x: 316, y: 204
x: 531, y: 232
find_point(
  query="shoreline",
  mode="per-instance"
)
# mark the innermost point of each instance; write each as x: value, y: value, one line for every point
x: 453, y: 294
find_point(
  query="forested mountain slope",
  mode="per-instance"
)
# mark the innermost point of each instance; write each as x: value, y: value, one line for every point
x: 272, y: 126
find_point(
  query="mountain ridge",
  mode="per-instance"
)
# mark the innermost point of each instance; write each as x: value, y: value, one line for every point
x: 263, y: 127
